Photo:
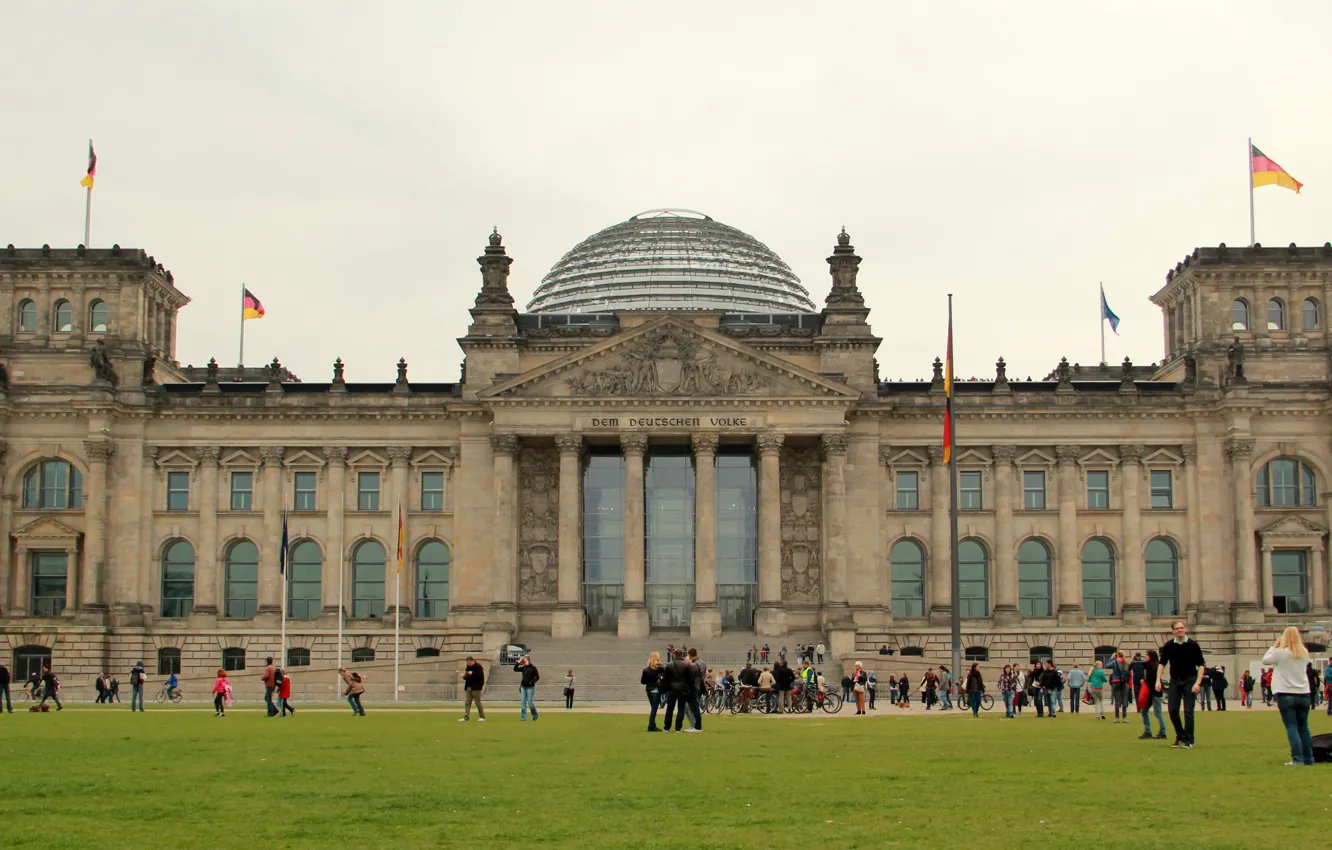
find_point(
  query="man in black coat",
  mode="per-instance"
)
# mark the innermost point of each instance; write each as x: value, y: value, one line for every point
x: 474, y: 682
x: 1219, y: 685
x: 4, y: 687
x: 679, y: 685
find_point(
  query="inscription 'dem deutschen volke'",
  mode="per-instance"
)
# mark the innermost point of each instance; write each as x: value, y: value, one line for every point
x: 719, y: 422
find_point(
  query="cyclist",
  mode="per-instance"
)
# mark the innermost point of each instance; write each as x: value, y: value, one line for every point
x: 171, y: 685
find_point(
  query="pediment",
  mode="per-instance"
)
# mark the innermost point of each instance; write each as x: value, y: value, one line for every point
x: 1163, y: 457
x: 669, y: 358
x: 240, y: 457
x: 1098, y: 457
x: 1292, y: 526
x: 1035, y: 457
x: 908, y: 457
x: 176, y: 458
x: 367, y: 458
x: 972, y: 457
x: 305, y: 458
x: 46, y: 531
x: 432, y: 458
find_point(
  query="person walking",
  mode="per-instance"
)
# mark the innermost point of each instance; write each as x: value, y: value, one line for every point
x: 1266, y: 686
x: 355, y: 688
x: 284, y: 693
x: 1327, y: 686
x: 1289, y: 659
x: 651, y: 681
x: 1076, y: 680
x: 1184, y: 666
x: 1246, y: 690
x: 975, y: 687
x: 858, y: 678
x: 697, y: 688
x: 1033, y: 689
x: 474, y: 682
x: 929, y: 686
x: 904, y: 692
x: 220, y: 688
x: 1051, y: 685
x: 568, y: 691
x: 50, y: 688
x: 270, y: 684
x: 819, y: 651
x: 527, y: 687
x: 1119, y: 686
x: 1219, y: 685
x: 945, y: 687
x: 100, y: 685
x: 1096, y: 687
x: 1008, y: 689
x: 1145, y: 686
x: 1205, y: 694
x: 4, y: 689
x: 871, y: 690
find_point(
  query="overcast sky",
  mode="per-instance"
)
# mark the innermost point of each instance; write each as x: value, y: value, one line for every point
x: 347, y: 163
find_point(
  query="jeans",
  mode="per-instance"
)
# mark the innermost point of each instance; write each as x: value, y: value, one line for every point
x: 1146, y: 717
x: 53, y: 696
x: 1059, y: 695
x: 974, y: 698
x: 653, y: 703
x: 695, y: 713
x: 136, y: 696
x: 1075, y: 699
x: 1205, y: 696
x: 268, y: 700
x: 217, y: 702
x: 287, y: 706
x: 528, y: 701
x: 1294, y: 710
x: 354, y: 700
x: 1182, y: 692
x: 1008, y: 703
x: 1220, y: 699
x: 674, y: 701
x: 1050, y: 698
x: 473, y: 695
x: 1039, y: 699
x: 4, y: 693
x: 946, y: 701
x: 1119, y: 693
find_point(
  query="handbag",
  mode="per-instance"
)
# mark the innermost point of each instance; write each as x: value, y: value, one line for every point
x: 1087, y: 697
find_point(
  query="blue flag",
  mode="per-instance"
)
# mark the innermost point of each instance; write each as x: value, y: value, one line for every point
x: 1107, y: 314
x: 282, y: 551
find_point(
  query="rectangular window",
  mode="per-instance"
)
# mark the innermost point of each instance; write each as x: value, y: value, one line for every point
x: 1290, y: 581
x: 969, y: 491
x: 178, y: 491
x: 304, y: 485
x: 49, y: 582
x: 367, y: 491
x: 1098, y: 491
x: 242, y: 491
x: 1162, y: 495
x: 908, y: 491
x: 1033, y: 491
x: 432, y: 491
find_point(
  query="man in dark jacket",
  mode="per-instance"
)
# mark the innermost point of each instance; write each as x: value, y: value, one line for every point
x: 698, y: 677
x: 679, y: 683
x: 4, y: 687
x: 785, y: 678
x: 527, y: 688
x: 474, y: 681
x: 1219, y: 685
x: 1051, y: 685
x: 49, y: 685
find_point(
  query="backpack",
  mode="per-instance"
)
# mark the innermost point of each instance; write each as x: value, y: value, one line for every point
x: 1322, y: 747
x: 278, y: 676
x: 136, y: 676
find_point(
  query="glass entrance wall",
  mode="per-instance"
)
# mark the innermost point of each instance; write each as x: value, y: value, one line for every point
x: 603, y: 536
x: 737, y: 536
x: 668, y: 485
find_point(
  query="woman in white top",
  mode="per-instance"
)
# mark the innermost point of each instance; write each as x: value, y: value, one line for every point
x: 1290, y: 684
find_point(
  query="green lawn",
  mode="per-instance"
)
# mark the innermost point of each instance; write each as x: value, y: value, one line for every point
x: 182, y: 778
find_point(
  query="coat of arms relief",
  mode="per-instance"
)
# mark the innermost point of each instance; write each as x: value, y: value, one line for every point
x: 802, y: 546
x: 669, y: 363
x: 538, y: 524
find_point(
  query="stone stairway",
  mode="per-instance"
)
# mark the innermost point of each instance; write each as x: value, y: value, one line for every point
x: 607, y: 669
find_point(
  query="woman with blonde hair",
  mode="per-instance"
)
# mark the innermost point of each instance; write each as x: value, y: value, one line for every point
x: 858, y: 679
x: 1288, y: 659
x: 651, y: 681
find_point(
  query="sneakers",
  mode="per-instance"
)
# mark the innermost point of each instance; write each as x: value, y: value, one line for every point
x: 1293, y: 764
x: 1145, y: 736
x: 1161, y: 737
x: 462, y: 719
x: 1186, y: 746
x: 480, y: 720
x: 1176, y: 745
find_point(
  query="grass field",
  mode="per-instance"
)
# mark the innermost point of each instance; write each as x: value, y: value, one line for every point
x: 86, y: 777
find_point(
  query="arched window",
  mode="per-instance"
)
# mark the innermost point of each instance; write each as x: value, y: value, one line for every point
x: 912, y: 651
x: 1162, y: 578
x: 28, y: 660
x: 363, y: 655
x: 305, y: 568
x: 1040, y: 653
x: 1034, y: 599
x: 168, y: 661
x: 1239, y: 315
x: 1098, y: 579
x: 178, y: 579
x: 27, y: 316
x: 432, y: 580
x: 298, y: 657
x: 98, y: 317
x: 64, y: 317
x: 242, y: 580
x: 53, y: 485
x: 233, y: 658
x: 908, y: 565
x: 1103, y: 654
x: 1310, y: 314
x: 1286, y: 483
x: 973, y: 569
x: 427, y: 652
x: 1276, y: 315
x: 977, y: 653
x: 368, y: 580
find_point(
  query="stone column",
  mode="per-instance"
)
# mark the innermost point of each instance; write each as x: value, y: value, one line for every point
x: 333, y: 581
x: 1265, y: 588
x: 94, y: 548
x: 938, y: 583
x: 10, y: 567
x: 633, y: 612
x: 504, y: 450
x: 1005, y: 577
x: 1132, y: 573
x: 270, y: 583
x: 207, y: 581
x: 1247, y: 607
x: 1190, y: 578
x: 887, y: 502
x: 398, y: 586
x: 568, y: 620
x: 1317, y: 573
x: 1069, y: 581
x: 134, y: 582
x: 705, y: 621
x: 834, y: 537
x: 771, y: 619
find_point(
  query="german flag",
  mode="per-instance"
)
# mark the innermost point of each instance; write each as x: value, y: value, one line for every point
x: 948, y: 393
x: 92, y: 167
x: 1268, y: 173
x: 251, y: 308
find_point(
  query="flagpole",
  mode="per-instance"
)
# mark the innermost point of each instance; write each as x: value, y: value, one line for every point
x: 337, y: 687
x: 956, y: 601
x: 1252, y: 237
x: 87, y: 214
x: 397, y: 606
x: 1100, y: 308
x: 240, y: 362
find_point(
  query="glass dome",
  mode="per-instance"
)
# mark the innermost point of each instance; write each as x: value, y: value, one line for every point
x: 671, y: 259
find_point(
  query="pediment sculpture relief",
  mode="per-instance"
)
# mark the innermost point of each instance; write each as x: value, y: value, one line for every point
x: 670, y: 363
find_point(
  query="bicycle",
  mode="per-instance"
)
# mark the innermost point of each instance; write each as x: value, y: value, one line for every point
x: 176, y: 696
x: 34, y: 695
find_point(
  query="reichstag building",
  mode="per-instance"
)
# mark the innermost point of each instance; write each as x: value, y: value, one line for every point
x: 672, y: 436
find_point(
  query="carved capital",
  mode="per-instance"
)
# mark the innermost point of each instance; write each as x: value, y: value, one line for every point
x: 1190, y: 452
x: 936, y: 455
x: 1239, y: 449
x: 886, y: 455
x: 399, y: 455
x: 569, y: 444
x: 455, y: 453
x: 99, y: 451
x: 208, y: 455
x: 150, y: 455
x: 704, y: 444
x: 633, y: 444
x: 834, y: 445
x: 770, y: 443
x: 1131, y: 454
x: 336, y: 455
x: 504, y: 444
x: 1004, y: 454
x: 1067, y: 455
x: 272, y: 455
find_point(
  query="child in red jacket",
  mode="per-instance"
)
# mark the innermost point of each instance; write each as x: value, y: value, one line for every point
x: 284, y: 694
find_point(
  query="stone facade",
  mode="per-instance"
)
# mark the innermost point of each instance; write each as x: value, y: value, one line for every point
x: 1096, y: 503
